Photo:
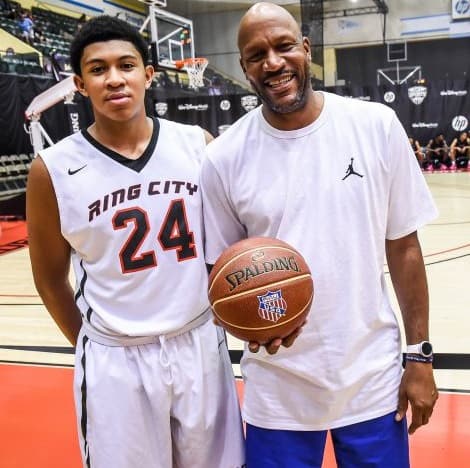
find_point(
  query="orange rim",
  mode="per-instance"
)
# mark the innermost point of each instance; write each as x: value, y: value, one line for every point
x: 190, y: 61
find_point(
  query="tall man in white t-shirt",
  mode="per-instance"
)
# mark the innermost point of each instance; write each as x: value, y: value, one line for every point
x: 273, y: 174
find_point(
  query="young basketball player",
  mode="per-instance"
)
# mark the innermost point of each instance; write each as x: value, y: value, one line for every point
x: 273, y: 174
x: 121, y: 200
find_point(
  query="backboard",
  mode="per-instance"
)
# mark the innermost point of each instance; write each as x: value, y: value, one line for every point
x: 171, y: 35
x: 157, y: 3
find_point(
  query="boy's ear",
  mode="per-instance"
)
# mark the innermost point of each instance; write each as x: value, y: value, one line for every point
x: 80, y: 85
x: 149, y: 72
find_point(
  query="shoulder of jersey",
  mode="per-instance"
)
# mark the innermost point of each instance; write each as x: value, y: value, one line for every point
x: 73, y: 139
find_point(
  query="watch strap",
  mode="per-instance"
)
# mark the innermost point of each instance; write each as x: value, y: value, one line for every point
x: 415, y: 358
x: 414, y: 348
x: 423, y: 349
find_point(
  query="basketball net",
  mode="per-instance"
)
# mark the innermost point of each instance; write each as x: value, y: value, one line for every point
x: 195, y: 68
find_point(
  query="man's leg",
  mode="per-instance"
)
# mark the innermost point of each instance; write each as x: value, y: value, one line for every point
x: 268, y: 448
x: 378, y: 443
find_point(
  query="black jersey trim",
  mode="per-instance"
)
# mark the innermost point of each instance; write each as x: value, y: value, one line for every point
x: 135, y: 164
x: 84, y: 413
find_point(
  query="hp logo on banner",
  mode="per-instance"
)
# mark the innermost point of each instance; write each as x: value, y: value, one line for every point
x: 389, y: 97
x: 462, y: 6
x: 459, y: 123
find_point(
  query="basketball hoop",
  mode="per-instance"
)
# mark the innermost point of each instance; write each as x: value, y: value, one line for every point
x: 195, y: 69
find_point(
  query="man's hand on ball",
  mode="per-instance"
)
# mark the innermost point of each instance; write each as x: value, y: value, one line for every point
x: 273, y: 346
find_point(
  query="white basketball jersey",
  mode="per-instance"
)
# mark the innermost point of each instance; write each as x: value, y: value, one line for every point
x: 335, y: 190
x: 135, y: 227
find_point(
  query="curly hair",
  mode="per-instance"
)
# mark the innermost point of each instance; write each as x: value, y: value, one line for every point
x: 105, y: 28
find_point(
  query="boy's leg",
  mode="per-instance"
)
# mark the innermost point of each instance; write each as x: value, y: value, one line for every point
x: 378, y: 443
x: 207, y: 429
x: 268, y: 448
x: 116, y: 392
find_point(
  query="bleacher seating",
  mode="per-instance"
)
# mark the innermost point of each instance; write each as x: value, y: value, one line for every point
x: 56, y: 32
x: 18, y: 63
x: 14, y: 170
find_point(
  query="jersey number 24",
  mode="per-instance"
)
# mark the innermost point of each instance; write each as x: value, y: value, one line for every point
x: 174, y: 235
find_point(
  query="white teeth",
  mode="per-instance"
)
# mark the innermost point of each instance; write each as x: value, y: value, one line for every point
x: 281, y: 81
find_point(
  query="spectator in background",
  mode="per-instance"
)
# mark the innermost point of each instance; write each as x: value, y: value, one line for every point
x: 58, y: 63
x: 26, y: 26
x: 437, y: 151
x: 215, y: 88
x: 460, y: 150
x: 39, y: 36
x: 417, y: 150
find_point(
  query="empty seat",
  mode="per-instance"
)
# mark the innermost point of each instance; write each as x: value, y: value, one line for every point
x: 4, y: 67
x: 20, y: 69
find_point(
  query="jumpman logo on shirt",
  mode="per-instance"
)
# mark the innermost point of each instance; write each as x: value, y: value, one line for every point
x: 351, y: 171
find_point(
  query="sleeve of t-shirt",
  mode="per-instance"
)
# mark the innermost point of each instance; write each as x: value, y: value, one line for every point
x: 411, y: 205
x: 222, y: 227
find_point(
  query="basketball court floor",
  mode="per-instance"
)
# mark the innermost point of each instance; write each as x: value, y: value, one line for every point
x: 37, y: 423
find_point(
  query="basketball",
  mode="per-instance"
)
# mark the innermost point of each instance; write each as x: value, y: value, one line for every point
x: 260, y: 289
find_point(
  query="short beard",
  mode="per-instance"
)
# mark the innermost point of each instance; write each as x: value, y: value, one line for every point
x: 297, y: 103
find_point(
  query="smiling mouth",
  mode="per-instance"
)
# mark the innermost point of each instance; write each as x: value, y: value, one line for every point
x: 280, y: 81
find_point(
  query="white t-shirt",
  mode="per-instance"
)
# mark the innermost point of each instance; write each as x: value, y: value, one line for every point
x: 335, y: 190
x: 135, y: 227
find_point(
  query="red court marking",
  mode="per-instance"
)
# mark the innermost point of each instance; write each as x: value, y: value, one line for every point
x: 13, y: 236
x: 11, y: 231
x: 38, y: 427
x: 37, y: 422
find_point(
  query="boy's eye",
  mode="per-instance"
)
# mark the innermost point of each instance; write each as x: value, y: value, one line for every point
x: 96, y: 69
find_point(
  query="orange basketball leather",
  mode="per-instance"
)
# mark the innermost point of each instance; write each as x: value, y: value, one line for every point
x: 260, y: 289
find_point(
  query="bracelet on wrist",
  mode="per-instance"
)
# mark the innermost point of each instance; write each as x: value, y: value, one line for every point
x: 416, y: 358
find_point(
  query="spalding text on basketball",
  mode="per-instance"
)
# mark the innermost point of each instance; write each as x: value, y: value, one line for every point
x: 238, y: 277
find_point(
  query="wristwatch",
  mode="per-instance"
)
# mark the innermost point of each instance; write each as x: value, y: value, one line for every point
x: 423, y: 349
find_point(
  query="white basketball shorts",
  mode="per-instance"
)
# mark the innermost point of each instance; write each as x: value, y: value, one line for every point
x: 168, y: 404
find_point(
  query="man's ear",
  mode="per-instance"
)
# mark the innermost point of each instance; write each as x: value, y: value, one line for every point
x: 243, y: 66
x: 80, y: 85
x: 307, y: 45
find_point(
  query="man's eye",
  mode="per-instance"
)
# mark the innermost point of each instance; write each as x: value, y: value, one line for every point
x: 255, y: 57
x: 128, y: 65
x: 286, y: 47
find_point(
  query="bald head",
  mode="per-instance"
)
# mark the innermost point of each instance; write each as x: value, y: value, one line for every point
x: 275, y: 59
x: 262, y: 14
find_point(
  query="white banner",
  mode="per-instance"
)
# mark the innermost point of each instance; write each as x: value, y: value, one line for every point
x: 78, y: 7
x: 99, y: 7
x: 127, y: 14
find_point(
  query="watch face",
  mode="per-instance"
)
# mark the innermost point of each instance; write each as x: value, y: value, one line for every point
x: 426, y: 348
